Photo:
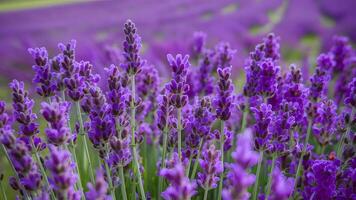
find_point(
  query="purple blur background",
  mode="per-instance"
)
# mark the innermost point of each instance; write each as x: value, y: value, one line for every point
x: 306, y: 27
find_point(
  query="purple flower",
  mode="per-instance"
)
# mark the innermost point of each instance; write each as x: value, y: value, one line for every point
x: 132, y: 46
x: 238, y: 180
x: 121, y: 154
x: 282, y: 187
x: 75, y: 85
x: 271, y: 47
x: 223, y: 55
x: 22, y: 105
x: 323, y: 178
x: 204, y: 79
x: 198, y: 44
x: 211, y: 165
x: 44, y: 76
x: 56, y: 114
x: 324, y: 126
x: 98, y: 190
x: 177, y: 87
x: 264, y: 117
x: 180, y: 187
x: 350, y: 98
x: 63, y: 178
x: 321, y: 77
x: 224, y: 99
x: 117, y: 94
x: 341, y: 51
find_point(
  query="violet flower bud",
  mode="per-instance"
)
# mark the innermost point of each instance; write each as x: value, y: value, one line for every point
x: 132, y: 46
x: 224, y: 99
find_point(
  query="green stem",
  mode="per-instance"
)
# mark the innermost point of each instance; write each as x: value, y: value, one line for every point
x: 189, y: 163
x: 38, y: 159
x: 81, y: 132
x: 310, y: 123
x: 79, y: 182
x: 196, y: 162
x: 345, y: 134
x: 206, y: 194
x: 133, y: 142
x: 179, y: 118
x: 15, y: 172
x: 322, y: 150
x: 269, y: 184
x: 222, y: 140
x: 2, y: 190
x: 111, y: 188
x: 163, y: 161
x: 123, y: 185
x: 255, y: 189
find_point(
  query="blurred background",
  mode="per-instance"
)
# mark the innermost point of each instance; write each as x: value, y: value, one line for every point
x: 306, y: 27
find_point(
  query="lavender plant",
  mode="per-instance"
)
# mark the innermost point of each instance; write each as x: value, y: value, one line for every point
x: 197, y: 136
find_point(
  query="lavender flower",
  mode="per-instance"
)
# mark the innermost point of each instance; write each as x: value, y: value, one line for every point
x: 224, y: 55
x: 63, y: 178
x: 271, y: 44
x: 325, y: 123
x: 264, y: 117
x: 180, y: 187
x: 350, y: 98
x: 99, y: 189
x: 121, y: 154
x: 323, y: 177
x: 321, y: 76
x: 177, y: 87
x: 132, y: 46
x: 43, y: 76
x: 23, y: 105
x: 56, y: 114
x: 67, y: 58
x: 198, y: 44
x: 203, y: 77
x: 212, y: 166
x: 341, y: 51
x: 282, y: 187
x: 238, y: 180
x: 224, y: 99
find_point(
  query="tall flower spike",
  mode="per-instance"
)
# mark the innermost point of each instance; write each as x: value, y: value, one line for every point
x: 180, y: 187
x: 264, y: 117
x: 56, y: 114
x: 43, y: 73
x: 178, y: 88
x: 63, y: 178
x: 99, y: 189
x: 238, y: 180
x: 212, y: 167
x: 224, y: 99
x: 132, y: 46
x: 321, y: 76
x: 271, y: 43
x: 23, y: 105
x: 350, y: 98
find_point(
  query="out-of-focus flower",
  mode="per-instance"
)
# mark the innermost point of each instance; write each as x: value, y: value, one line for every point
x: 99, y: 189
x: 63, y: 178
x: 238, y: 179
x: 282, y: 187
x: 180, y: 187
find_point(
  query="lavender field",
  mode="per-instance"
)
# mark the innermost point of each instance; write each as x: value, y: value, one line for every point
x: 178, y: 100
